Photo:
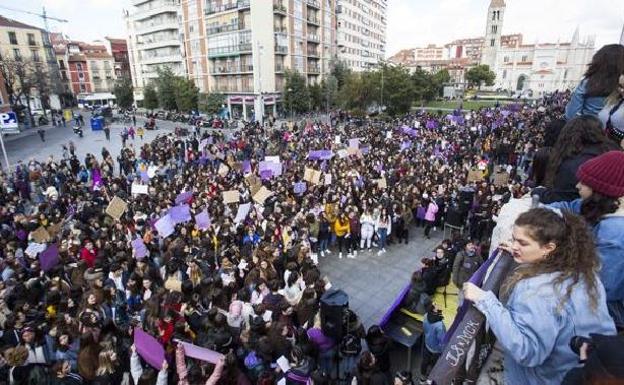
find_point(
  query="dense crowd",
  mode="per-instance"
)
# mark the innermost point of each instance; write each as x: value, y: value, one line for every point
x: 215, y: 239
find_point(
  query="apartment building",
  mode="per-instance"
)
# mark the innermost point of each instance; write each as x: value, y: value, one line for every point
x: 361, y: 32
x: 153, y: 40
x: 241, y: 48
x: 25, y: 42
x: 118, y: 48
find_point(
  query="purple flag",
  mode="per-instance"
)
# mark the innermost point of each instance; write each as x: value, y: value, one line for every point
x: 505, y: 113
x: 165, y: 226
x: 180, y: 214
x: 300, y: 188
x: 149, y: 348
x: 144, y: 177
x: 140, y: 250
x: 199, y: 353
x: 275, y: 168
x: 97, y: 179
x: 184, y: 197
x: 246, y: 167
x: 432, y: 124
x: 49, y: 257
x: 365, y: 150
x: 266, y: 174
x: 405, y: 145
x: 354, y: 143
x: 320, y: 154
x: 203, y: 220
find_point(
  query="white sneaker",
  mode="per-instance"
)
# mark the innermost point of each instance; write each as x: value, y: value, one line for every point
x: 435, y: 228
x: 339, y: 255
x: 323, y: 254
x: 328, y: 251
x: 351, y: 256
x: 379, y: 252
x: 383, y: 250
x: 354, y: 253
x: 369, y: 249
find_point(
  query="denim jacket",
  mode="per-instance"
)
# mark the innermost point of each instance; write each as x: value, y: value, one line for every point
x: 534, y: 327
x: 579, y: 104
x: 609, y: 237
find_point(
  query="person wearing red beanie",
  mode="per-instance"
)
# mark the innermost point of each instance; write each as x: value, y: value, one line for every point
x: 601, y: 188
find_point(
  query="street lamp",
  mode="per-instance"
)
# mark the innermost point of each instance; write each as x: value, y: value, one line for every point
x: 292, y: 115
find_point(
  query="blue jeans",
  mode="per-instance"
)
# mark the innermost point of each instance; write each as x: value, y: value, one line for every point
x: 383, y: 234
x: 323, y: 244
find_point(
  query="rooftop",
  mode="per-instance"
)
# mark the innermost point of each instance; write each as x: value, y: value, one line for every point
x: 6, y: 22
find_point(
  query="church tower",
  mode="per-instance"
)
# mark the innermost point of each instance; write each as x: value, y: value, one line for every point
x: 493, y: 32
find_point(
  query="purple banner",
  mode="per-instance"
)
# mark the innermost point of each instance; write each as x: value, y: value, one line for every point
x: 184, y: 197
x: 140, y: 250
x: 149, y: 348
x: 180, y: 214
x: 202, y: 220
x: 49, y: 257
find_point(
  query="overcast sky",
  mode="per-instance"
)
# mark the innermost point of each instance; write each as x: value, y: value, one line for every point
x: 411, y: 23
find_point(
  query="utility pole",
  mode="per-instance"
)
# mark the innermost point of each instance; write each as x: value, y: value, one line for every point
x: 382, y: 88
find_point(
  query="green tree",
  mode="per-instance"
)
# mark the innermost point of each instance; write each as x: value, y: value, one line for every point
x: 150, y: 97
x: 296, y: 93
x: 186, y: 94
x: 124, y: 92
x: 398, y: 89
x: 316, y: 96
x: 166, y: 84
x: 330, y: 91
x: 211, y: 103
x: 340, y: 71
x: 479, y: 75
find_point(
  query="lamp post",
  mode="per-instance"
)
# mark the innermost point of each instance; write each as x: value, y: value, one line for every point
x: 292, y: 114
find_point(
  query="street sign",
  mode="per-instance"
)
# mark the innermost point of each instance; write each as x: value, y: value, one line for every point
x: 8, y: 123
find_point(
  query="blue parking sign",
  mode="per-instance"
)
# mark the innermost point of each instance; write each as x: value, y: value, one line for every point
x: 8, y: 122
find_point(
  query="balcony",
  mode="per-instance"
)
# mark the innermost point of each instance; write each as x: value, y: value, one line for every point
x: 314, y: 38
x: 313, y: 53
x: 151, y: 44
x: 314, y: 69
x: 230, y: 50
x: 279, y: 67
x: 231, y: 69
x: 279, y: 8
x: 281, y: 50
x: 243, y: 4
x: 157, y: 26
x: 225, y: 28
x: 280, y: 30
x: 157, y: 10
x: 213, y: 8
x: 161, y: 59
x: 313, y: 4
x: 313, y: 20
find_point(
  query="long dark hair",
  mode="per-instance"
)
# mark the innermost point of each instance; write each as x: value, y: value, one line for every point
x: 578, y: 134
x: 604, y: 70
x: 597, y: 206
x: 574, y: 258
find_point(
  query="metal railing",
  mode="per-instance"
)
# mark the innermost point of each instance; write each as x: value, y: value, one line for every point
x: 231, y: 69
x: 229, y: 50
x: 314, y: 38
x: 313, y: 20
x: 225, y: 28
x: 279, y: 8
x: 313, y: 3
x: 280, y: 49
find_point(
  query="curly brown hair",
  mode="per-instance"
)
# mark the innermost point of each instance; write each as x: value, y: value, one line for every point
x: 577, y: 135
x: 574, y: 257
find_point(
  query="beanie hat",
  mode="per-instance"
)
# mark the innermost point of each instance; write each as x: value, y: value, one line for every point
x: 604, y: 174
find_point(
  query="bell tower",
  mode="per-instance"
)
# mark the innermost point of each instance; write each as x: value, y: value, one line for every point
x: 493, y: 32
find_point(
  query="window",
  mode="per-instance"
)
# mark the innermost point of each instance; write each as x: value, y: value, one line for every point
x: 525, y: 58
x: 506, y: 59
x: 61, y: 64
x: 12, y: 38
x: 494, y: 28
x: 492, y: 42
x: 35, y: 55
x: 83, y: 88
x: 494, y: 15
x: 31, y: 39
x: 565, y: 74
x: 504, y: 74
x: 17, y: 54
x: 79, y: 66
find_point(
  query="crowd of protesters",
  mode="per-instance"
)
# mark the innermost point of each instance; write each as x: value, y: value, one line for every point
x: 78, y: 280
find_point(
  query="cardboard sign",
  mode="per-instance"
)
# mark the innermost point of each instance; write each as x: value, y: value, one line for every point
x: 243, y: 210
x: 165, y: 226
x: 140, y: 250
x: 202, y: 220
x: 501, y: 179
x: 231, y: 196
x: 116, y: 208
x: 308, y: 174
x: 262, y: 195
x: 475, y: 175
x: 54, y: 229
x: 173, y: 284
x: 328, y: 179
x: 381, y: 183
x: 41, y: 235
x: 223, y: 170
x: 316, y: 177
x: 139, y: 188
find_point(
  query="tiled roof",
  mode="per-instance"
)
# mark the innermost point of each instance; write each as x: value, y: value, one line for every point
x: 6, y: 22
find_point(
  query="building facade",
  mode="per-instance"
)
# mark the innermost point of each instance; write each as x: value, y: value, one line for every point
x: 153, y: 40
x: 535, y: 68
x: 118, y: 48
x: 361, y: 32
x: 30, y: 44
x: 229, y: 49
